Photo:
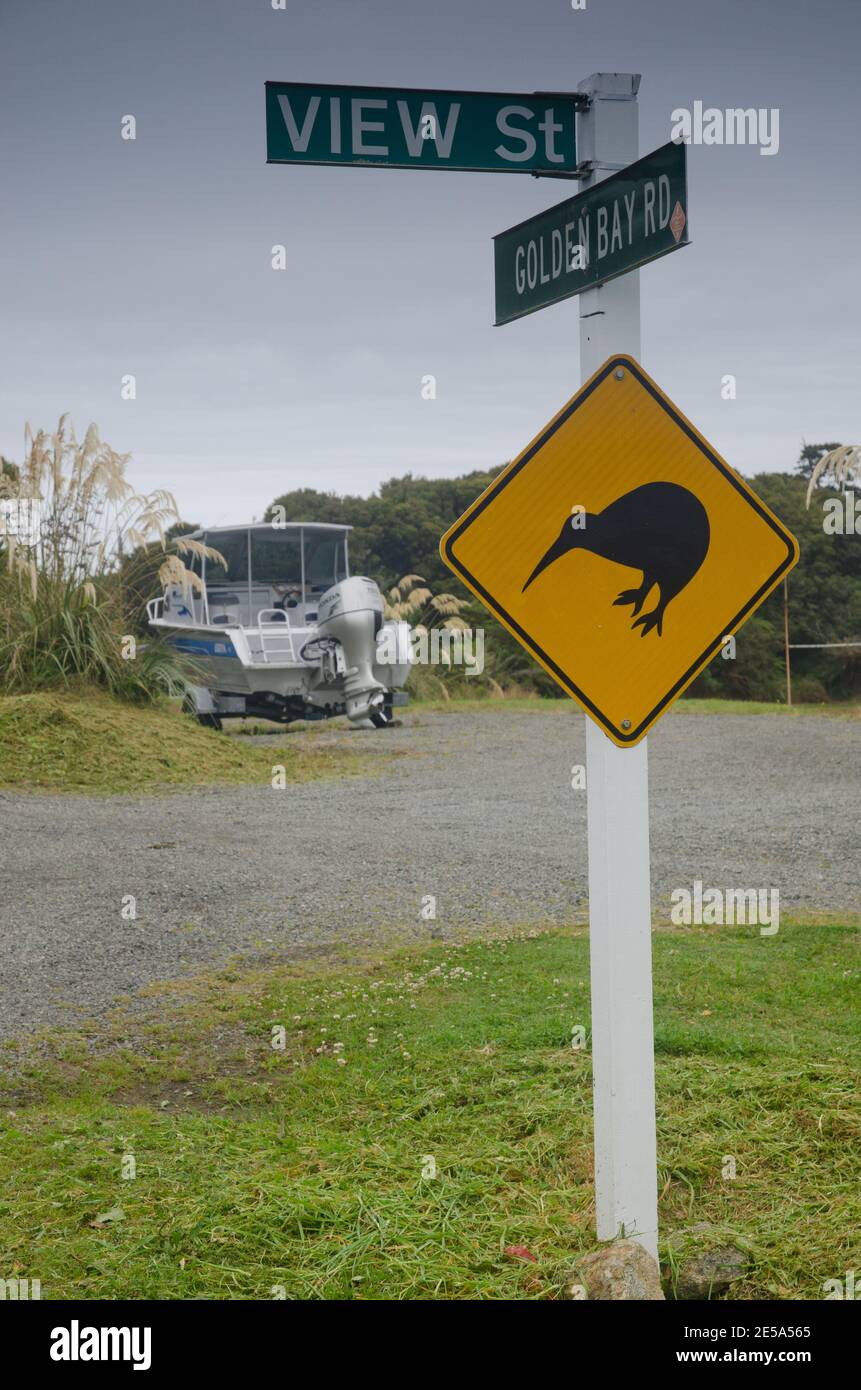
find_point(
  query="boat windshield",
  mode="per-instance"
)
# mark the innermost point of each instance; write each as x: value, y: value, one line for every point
x: 275, y: 559
x: 267, y: 569
x: 325, y: 559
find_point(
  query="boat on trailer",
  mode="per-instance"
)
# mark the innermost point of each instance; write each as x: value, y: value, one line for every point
x: 280, y: 630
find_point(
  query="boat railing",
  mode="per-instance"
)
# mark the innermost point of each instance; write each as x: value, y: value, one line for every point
x: 155, y: 608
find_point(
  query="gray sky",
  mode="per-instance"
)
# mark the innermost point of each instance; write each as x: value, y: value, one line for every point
x: 152, y: 257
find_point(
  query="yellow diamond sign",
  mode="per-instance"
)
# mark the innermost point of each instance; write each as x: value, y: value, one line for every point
x: 620, y: 550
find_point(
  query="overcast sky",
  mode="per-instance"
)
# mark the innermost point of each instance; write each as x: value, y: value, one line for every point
x: 152, y: 257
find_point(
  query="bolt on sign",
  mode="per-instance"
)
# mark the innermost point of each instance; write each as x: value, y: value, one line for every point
x: 408, y: 128
x: 622, y: 223
x: 620, y: 550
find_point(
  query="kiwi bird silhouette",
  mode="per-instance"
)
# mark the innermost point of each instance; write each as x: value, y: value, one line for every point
x: 661, y: 529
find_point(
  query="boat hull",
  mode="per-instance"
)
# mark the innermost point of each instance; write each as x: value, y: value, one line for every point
x: 221, y: 661
x: 215, y: 659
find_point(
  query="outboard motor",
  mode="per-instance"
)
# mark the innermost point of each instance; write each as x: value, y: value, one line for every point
x: 352, y: 613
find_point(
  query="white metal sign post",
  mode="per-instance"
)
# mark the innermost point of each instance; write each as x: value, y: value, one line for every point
x: 623, y: 1057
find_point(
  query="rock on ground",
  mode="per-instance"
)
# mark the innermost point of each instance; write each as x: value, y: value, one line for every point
x: 710, y: 1274
x: 623, y: 1272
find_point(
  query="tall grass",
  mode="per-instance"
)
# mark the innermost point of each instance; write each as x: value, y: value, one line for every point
x: 504, y: 674
x: 62, y: 597
x: 410, y: 600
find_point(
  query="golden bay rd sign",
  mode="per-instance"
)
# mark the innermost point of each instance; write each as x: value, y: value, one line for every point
x: 621, y: 223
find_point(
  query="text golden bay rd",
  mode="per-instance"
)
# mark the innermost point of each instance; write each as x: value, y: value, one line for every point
x: 608, y: 229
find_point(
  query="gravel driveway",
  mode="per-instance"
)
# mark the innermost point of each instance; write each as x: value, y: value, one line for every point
x: 478, y: 811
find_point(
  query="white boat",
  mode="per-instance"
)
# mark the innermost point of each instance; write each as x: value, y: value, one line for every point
x: 281, y: 630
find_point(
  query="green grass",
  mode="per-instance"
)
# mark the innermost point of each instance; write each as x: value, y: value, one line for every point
x: 841, y: 709
x: 849, y: 709
x: 259, y: 1168
x: 90, y: 742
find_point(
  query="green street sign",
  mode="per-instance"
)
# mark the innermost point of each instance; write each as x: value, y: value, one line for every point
x: 406, y: 128
x: 623, y: 222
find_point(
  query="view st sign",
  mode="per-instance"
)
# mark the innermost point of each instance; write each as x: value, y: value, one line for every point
x: 615, y: 226
x: 407, y: 128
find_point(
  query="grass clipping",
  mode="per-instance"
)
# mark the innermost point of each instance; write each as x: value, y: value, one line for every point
x: 92, y: 742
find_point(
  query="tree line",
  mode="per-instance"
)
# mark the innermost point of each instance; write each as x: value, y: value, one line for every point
x: 396, y: 531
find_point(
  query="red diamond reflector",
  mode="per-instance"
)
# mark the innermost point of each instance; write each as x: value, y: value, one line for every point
x: 677, y: 221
